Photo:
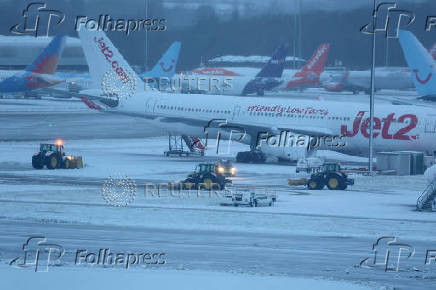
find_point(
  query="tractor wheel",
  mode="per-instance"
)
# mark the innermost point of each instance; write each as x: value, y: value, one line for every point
x: 37, y: 165
x: 315, y: 184
x: 52, y: 162
x: 335, y: 182
x: 67, y: 164
x: 188, y: 184
x: 207, y: 183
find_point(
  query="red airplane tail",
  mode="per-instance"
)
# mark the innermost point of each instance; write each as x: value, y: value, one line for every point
x: 310, y: 73
x: 317, y: 62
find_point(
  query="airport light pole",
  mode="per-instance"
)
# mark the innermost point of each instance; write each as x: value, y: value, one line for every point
x: 295, y: 34
x: 146, y: 37
x: 371, y: 97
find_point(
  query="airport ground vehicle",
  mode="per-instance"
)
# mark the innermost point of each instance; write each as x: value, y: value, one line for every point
x: 53, y: 156
x: 308, y: 164
x: 253, y: 199
x: 225, y: 167
x: 205, y: 176
x: 329, y: 174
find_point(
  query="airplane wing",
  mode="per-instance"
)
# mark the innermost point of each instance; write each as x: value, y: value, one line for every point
x: 108, y: 101
x: 252, y: 129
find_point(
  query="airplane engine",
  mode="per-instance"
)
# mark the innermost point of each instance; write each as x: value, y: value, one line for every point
x: 284, y: 153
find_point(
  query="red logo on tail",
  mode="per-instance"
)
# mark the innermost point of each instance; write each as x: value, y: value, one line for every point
x: 423, y: 82
x: 162, y: 65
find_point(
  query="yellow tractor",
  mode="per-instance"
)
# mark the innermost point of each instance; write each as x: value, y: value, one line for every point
x: 53, y: 156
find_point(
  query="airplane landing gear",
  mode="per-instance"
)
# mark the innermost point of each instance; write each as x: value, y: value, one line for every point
x: 251, y: 157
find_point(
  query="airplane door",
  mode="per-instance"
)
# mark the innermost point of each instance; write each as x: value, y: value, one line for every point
x: 236, y: 111
x: 150, y: 105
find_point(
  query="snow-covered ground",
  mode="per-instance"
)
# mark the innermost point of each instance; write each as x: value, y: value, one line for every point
x: 315, y: 235
x: 91, y: 278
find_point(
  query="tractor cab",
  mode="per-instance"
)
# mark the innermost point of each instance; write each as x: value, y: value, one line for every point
x: 51, y: 148
x: 204, y: 168
x: 330, y: 167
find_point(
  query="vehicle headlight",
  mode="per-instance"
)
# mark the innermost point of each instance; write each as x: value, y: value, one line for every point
x: 221, y: 169
x: 233, y: 170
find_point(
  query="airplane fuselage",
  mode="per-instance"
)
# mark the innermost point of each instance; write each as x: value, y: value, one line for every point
x: 395, y: 127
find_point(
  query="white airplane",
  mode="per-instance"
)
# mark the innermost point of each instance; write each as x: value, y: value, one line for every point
x: 223, y: 81
x: 273, y: 73
x: 355, y: 81
x: 258, y: 122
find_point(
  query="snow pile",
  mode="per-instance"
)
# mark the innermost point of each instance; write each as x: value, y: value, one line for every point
x: 430, y: 174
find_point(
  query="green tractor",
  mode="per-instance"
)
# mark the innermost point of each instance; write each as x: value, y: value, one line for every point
x: 53, y: 156
x: 205, y: 176
x: 329, y: 174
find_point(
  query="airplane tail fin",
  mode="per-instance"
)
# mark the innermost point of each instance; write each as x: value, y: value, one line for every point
x: 48, y: 60
x: 316, y: 63
x: 107, y: 66
x: 166, y: 66
x: 421, y: 64
x: 433, y: 51
x: 275, y: 66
